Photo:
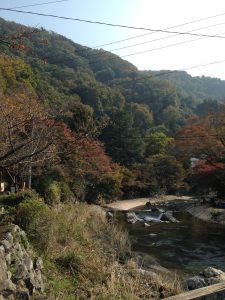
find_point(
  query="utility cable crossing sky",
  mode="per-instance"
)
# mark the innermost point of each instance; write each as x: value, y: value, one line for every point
x: 39, y: 4
x: 155, y: 29
x: 179, y: 25
x: 111, y: 24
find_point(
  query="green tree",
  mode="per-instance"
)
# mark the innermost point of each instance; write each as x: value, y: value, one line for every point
x: 142, y: 116
x: 166, y: 174
x: 157, y: 143
x: 122, y: 141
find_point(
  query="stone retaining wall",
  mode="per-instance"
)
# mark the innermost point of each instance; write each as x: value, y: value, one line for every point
x: 20, y: 271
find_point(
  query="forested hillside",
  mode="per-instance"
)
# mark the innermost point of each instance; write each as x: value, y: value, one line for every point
x: 199, y: 87
x: 116, y: 123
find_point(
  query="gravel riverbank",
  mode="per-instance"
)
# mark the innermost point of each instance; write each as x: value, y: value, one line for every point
x: 133, y: 203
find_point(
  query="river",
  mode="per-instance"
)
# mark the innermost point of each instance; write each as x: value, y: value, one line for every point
x: 186, y: 247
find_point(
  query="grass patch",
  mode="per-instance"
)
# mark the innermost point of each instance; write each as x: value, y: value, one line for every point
x: 81, y: 253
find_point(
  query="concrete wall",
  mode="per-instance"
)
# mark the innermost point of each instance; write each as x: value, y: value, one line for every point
x: 213, y: 292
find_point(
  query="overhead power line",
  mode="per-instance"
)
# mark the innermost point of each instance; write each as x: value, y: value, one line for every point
x: 163, y: 47
x: 140, y: 28
x: 165, y: 37
x: 111, y: 24
x: 180, y: 70
x: 153, y: 75
x: 39, y: 4
x: 106, y: 54
x: 204, y: 65
x: 155, y: 31
x: 168, y: 28
x: 124, y: 26
x: 140, y: 52
x: 186, y: 69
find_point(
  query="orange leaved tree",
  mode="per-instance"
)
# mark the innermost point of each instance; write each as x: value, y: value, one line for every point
x: 26, y: 134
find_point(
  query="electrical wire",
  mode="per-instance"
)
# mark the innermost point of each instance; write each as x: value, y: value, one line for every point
x: 149, y: 50
x: 35, y: 4
x: 111, y: 24
x: 39, y: 4
x: 183, y: 24
x: 131, y: 27
x: 163, y: 38
x: 154, y: 31
x: 106, y: 55
x: 152, y: 76
x: 185, y: 69
x: 141, y: 52
x: 163, y: 47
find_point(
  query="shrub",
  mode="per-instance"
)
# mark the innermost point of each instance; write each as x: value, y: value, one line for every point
x: 35, y: 217
x: 66, y: 194
x: 9, y: 216
x: 53, y: 193
x: 104, y: 188
x: 13, y: 199
x: 28, y: 211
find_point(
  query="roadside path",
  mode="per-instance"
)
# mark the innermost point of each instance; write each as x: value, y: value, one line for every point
x: 132, y: 203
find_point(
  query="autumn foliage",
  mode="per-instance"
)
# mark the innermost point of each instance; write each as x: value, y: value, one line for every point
x: 202, y: 138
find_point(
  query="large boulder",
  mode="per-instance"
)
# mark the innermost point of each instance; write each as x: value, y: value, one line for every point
x: 196, y: 282
x: 207, y: 277
x: 132, y: 218
x: 168, y: 217
x: 213, y: 275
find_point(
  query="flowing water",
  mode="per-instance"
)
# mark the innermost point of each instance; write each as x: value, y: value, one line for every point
x: 188, y: 246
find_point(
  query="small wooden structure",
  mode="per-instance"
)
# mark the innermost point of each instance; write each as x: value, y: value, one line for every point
x: 212, y: 292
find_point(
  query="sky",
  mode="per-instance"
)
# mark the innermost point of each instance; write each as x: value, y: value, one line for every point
x: 162, y: 51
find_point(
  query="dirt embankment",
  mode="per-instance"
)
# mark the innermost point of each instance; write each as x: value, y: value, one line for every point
x: 133, y: 203
x: 209, y: 214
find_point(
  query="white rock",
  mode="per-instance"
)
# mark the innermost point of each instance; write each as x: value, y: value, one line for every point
x: 2, y: 251
x: 28, y: 262
x: 9, y: 237
x: 6, y: 244
x: 38, y: 263
x: 8, y: 258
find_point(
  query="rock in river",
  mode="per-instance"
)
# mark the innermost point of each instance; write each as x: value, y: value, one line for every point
x: 207, y: 277
x: 147, y: 217
x: 132, y: 218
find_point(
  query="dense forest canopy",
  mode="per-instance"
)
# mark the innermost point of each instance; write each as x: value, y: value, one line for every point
x: 113, y: 128
x: 200, y: 87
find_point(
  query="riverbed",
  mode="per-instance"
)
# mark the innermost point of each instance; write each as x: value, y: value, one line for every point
x: 186, y: 247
